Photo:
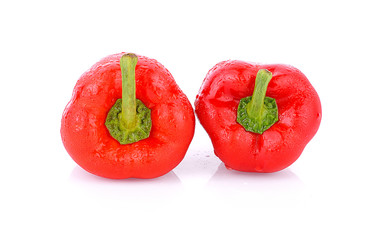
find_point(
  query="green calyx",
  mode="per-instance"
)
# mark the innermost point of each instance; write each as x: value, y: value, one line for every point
x: 125, y: 135
x: 129, y: 120
x: 257, y: 113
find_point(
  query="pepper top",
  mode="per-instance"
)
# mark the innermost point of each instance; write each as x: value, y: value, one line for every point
x: 257, y: 113
x: 129, y: 120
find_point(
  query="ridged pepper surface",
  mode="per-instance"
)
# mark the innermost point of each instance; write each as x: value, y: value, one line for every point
x: 258, y: 125
x: 111, y: 134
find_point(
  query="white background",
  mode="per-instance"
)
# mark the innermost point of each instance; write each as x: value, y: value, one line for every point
x: 328, y: 193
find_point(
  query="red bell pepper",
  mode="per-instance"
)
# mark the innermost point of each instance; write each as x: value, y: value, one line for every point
x: 259, y: 117
x: 110, y: 133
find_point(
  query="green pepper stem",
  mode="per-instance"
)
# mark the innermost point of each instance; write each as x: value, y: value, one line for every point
x: 255, y: 107
x: 128, y: 107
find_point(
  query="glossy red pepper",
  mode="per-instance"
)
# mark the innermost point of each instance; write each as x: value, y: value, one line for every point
x: 87, y: 121
x: 277, y: 139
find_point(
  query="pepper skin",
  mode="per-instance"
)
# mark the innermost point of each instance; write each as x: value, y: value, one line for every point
x: 88, y: 141
x: 299, y: 115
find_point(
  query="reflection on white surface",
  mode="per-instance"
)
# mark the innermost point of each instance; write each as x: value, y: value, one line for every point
x: 278, y: 189
x: 130, y: 190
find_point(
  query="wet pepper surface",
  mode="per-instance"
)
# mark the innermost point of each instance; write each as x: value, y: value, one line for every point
x: 277, y: 147
x: 89, y: 142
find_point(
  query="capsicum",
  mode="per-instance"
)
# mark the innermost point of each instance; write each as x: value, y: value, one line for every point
x: 259, y: 117
x: 127, y: 118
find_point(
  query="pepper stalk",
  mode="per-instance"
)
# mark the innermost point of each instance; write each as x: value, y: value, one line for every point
x: 128, y: 107
x: 129, y: 120
x: 257, y: 113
